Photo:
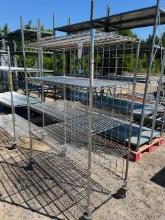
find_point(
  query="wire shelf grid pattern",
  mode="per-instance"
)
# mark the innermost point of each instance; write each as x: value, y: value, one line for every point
x: 80, y: 82
x: 72, y: 40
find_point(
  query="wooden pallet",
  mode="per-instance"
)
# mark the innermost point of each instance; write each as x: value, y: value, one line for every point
x: 137, y: 155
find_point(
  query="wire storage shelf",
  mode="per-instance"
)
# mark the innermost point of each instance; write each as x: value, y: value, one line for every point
x: 56, y: 110
x: 13, y: 77
x: 68, y: 141
x: 90, y: 135
x: 18, y: 99
x: 100, y: 123
x: 80, y: 140
x: 153, y: 85
x: 91, y: 100
x: 79, y: 82
x: 72, y: 40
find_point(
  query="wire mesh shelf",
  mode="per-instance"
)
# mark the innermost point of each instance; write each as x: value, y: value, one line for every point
x: 72, y: 40
x: 100, y: 122
x: 55, y: 110
x: 77, y: 139
x: 18, y: 99
x: 80, y: 82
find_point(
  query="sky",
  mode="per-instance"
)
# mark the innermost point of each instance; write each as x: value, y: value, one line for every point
x: 77, y: 10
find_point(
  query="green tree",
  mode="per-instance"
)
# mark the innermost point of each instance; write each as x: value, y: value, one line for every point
x: 163, y: 39
x: 150, y: 39
x: 28, y: 25
x: 128, y: 33
x: 0, y: 32
x: 42, y: 28
x: 5, y: 29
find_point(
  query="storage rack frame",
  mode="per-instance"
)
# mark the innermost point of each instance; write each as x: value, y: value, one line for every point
x: 84, y: 129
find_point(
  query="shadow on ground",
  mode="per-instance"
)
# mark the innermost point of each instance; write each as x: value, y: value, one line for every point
x: 159, y: 178
x: 63, y: 197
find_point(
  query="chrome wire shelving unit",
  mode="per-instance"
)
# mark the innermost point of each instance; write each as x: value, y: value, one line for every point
x: 152, y: 111
x: 12, y: 100
x: 9, y: 70
x: 94, y: 163
x: 76, y: 145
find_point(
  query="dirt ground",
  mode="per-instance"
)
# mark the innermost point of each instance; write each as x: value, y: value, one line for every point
x: 145, y: 199
x: 146, y: 196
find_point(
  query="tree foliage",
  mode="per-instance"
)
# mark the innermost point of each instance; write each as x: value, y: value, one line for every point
x: 143, y: 59
x: 4, y: 30
x: 28, y: 25
x: 128, y: 33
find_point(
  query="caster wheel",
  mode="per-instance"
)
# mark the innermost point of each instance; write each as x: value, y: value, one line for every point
x: 29, y: 167
x: 121, y: 193
x: 13, y: 145
x: 86, y: 217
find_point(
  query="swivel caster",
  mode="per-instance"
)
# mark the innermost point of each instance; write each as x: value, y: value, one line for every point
x: 13, y: 145
x: 86, y: 216
x: 29, y: 167
x: 121, y: 193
